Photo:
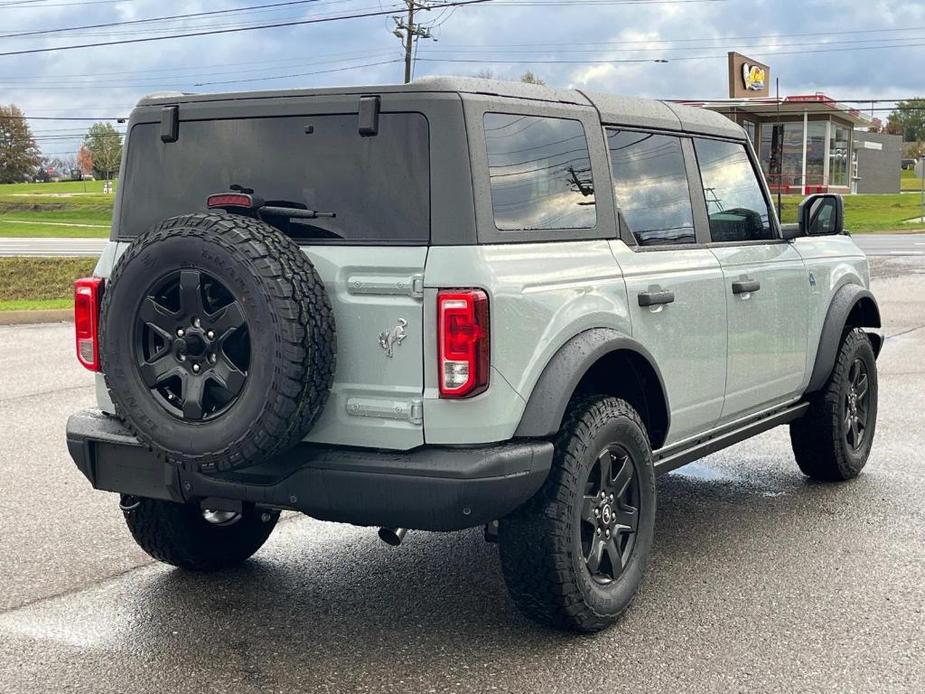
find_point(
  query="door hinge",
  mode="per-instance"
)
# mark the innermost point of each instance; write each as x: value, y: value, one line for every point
x: 398, y: 410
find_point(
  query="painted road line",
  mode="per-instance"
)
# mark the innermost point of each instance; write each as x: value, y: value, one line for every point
x: 55, y: 224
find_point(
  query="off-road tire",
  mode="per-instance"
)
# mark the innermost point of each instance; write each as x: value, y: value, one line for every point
x: 178, y: 534
x: 541, y: 555
x: 818, y: 437
x: 292, y: 333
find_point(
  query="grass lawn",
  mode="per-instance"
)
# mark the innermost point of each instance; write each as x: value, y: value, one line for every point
x: 867, y: 213
x: 68, y: 209
x: 909, y: 181
x: 34, y: 283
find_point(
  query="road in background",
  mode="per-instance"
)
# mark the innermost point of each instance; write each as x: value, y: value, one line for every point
x: 759, y: 581
x: 872, y: 244
x: 13, y: 246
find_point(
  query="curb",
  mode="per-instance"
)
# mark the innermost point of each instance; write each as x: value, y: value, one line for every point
x: 58, y: 315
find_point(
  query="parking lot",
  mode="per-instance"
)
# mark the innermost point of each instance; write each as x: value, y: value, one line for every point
x: 760, y: 580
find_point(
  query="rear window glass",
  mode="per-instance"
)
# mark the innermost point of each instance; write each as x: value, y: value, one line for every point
x: 378, y: 187
x: 540, y: 173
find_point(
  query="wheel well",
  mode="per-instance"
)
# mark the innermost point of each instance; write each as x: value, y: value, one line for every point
x: 629, y: 375
x: 864, y: 314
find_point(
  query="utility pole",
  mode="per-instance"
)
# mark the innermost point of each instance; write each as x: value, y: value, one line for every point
x: 408, y: 32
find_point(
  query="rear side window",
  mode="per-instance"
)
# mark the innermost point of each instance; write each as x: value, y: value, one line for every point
x: 736, y: 205
x: 540, y: 173
x: 651, y: 186
x: 378, y: 187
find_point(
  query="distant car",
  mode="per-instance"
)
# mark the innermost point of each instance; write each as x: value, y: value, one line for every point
x: 908, y: 164
x: 458, y: 303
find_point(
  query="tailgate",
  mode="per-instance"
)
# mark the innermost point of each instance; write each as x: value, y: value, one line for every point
x: 377, y: 295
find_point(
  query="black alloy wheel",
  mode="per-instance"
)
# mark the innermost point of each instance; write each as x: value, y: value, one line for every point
x: 857, y: 405
x: 609, y: 514
x: 192, y: 345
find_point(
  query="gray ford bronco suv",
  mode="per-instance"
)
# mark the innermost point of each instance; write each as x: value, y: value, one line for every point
x: 457, y: 303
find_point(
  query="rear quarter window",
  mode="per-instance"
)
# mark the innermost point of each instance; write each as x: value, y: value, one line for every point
x: 540, y: 173
x: 378, y: 187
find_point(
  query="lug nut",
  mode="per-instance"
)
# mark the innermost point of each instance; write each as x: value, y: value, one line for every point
x: 611, y: 497
x: 180, y: 332
x: 182, y: 357
x: 196, y: 322
x: 597, y: 512
x: 598, y: 531
x: 213, y: 358
x: 607, y: 534
x: 210, y: 334
x: 196, y: 368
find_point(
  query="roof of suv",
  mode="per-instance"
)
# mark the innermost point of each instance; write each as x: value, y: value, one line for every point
x: 622, y: 110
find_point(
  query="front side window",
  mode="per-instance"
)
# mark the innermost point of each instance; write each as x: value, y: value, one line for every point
x: 736, y: 206
x: 540, y: 173
x: 651, y: 187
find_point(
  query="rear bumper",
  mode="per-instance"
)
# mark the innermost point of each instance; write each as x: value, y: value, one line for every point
x: 428, y: 488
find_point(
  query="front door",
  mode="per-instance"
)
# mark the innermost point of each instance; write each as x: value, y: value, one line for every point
x: 766, y: 286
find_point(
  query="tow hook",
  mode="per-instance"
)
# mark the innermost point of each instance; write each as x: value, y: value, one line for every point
x: 392, y: 536
x: 128, y: 503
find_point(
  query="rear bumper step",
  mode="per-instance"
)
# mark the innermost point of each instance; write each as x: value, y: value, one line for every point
x: 428, y: 488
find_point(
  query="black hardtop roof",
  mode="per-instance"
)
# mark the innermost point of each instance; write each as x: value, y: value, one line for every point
x: 623, y: 110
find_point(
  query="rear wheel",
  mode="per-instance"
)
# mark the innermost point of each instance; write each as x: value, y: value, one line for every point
x: 832, y: 441
x: 573, y: 556
x: 193, y: 538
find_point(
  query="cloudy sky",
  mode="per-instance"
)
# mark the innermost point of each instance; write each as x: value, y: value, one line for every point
x: 850, y: 49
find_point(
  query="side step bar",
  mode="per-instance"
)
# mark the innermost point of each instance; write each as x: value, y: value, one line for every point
x: 668, y: 460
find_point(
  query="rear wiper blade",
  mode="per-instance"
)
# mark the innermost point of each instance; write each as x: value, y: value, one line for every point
x: 293, y: 212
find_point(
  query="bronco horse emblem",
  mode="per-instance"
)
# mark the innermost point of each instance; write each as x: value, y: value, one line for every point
x: 389, y: 338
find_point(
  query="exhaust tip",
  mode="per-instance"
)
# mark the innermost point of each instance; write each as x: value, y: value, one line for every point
x: 392, y: 536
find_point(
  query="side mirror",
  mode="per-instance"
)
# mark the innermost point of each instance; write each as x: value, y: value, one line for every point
x: 822, y: 215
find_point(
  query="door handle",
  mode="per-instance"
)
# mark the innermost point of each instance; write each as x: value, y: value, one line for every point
x: 745, y: 286
x: 656, y: 297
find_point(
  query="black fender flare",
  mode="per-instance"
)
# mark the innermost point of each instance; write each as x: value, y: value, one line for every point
x: 843, y: 303
x: 551, y: 395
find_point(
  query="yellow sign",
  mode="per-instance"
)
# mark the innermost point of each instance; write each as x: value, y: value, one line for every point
x: 755, y: 77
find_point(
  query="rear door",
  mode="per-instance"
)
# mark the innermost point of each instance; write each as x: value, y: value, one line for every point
x: 674, y: 286
x: 766, y: 287
x: 369, y: 248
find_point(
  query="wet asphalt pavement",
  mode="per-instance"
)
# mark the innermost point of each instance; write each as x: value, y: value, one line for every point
x: 759, y: 581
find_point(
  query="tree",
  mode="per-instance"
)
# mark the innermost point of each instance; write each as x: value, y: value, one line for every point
x: 105, y: 145
x: 84, y: 160
x: 908, y: 120
x: 529, y: 78
x: 19, y: 155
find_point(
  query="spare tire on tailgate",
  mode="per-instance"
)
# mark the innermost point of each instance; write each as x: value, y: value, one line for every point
x: 217, y: 341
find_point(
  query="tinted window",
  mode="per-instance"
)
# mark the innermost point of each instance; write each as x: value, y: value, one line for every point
x: 540, y: 173
x: 378, y: 187
x: 735, y: 203
x: 650, y: 183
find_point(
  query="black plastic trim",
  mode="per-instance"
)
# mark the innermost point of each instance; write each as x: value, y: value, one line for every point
x: 428, y: 488
x: 844, y: 300
x: 552, y: 392
x: 673, y: 458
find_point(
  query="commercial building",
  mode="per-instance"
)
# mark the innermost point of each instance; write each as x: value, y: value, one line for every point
x: 808, y: 143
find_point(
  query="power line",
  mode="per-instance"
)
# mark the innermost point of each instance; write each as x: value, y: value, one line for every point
x: 212, y: 32
x: 149, y: 20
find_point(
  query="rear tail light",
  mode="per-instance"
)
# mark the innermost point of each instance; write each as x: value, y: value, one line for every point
x: 87, y: 295
x: 463, y: 332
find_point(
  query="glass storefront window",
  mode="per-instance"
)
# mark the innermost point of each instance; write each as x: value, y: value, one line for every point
x: 815, y: 154
x: 839, y: 144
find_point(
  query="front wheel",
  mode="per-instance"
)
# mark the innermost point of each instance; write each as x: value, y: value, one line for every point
x: 574, y: 555
x: 832, y: 441
x: 192, y: 538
